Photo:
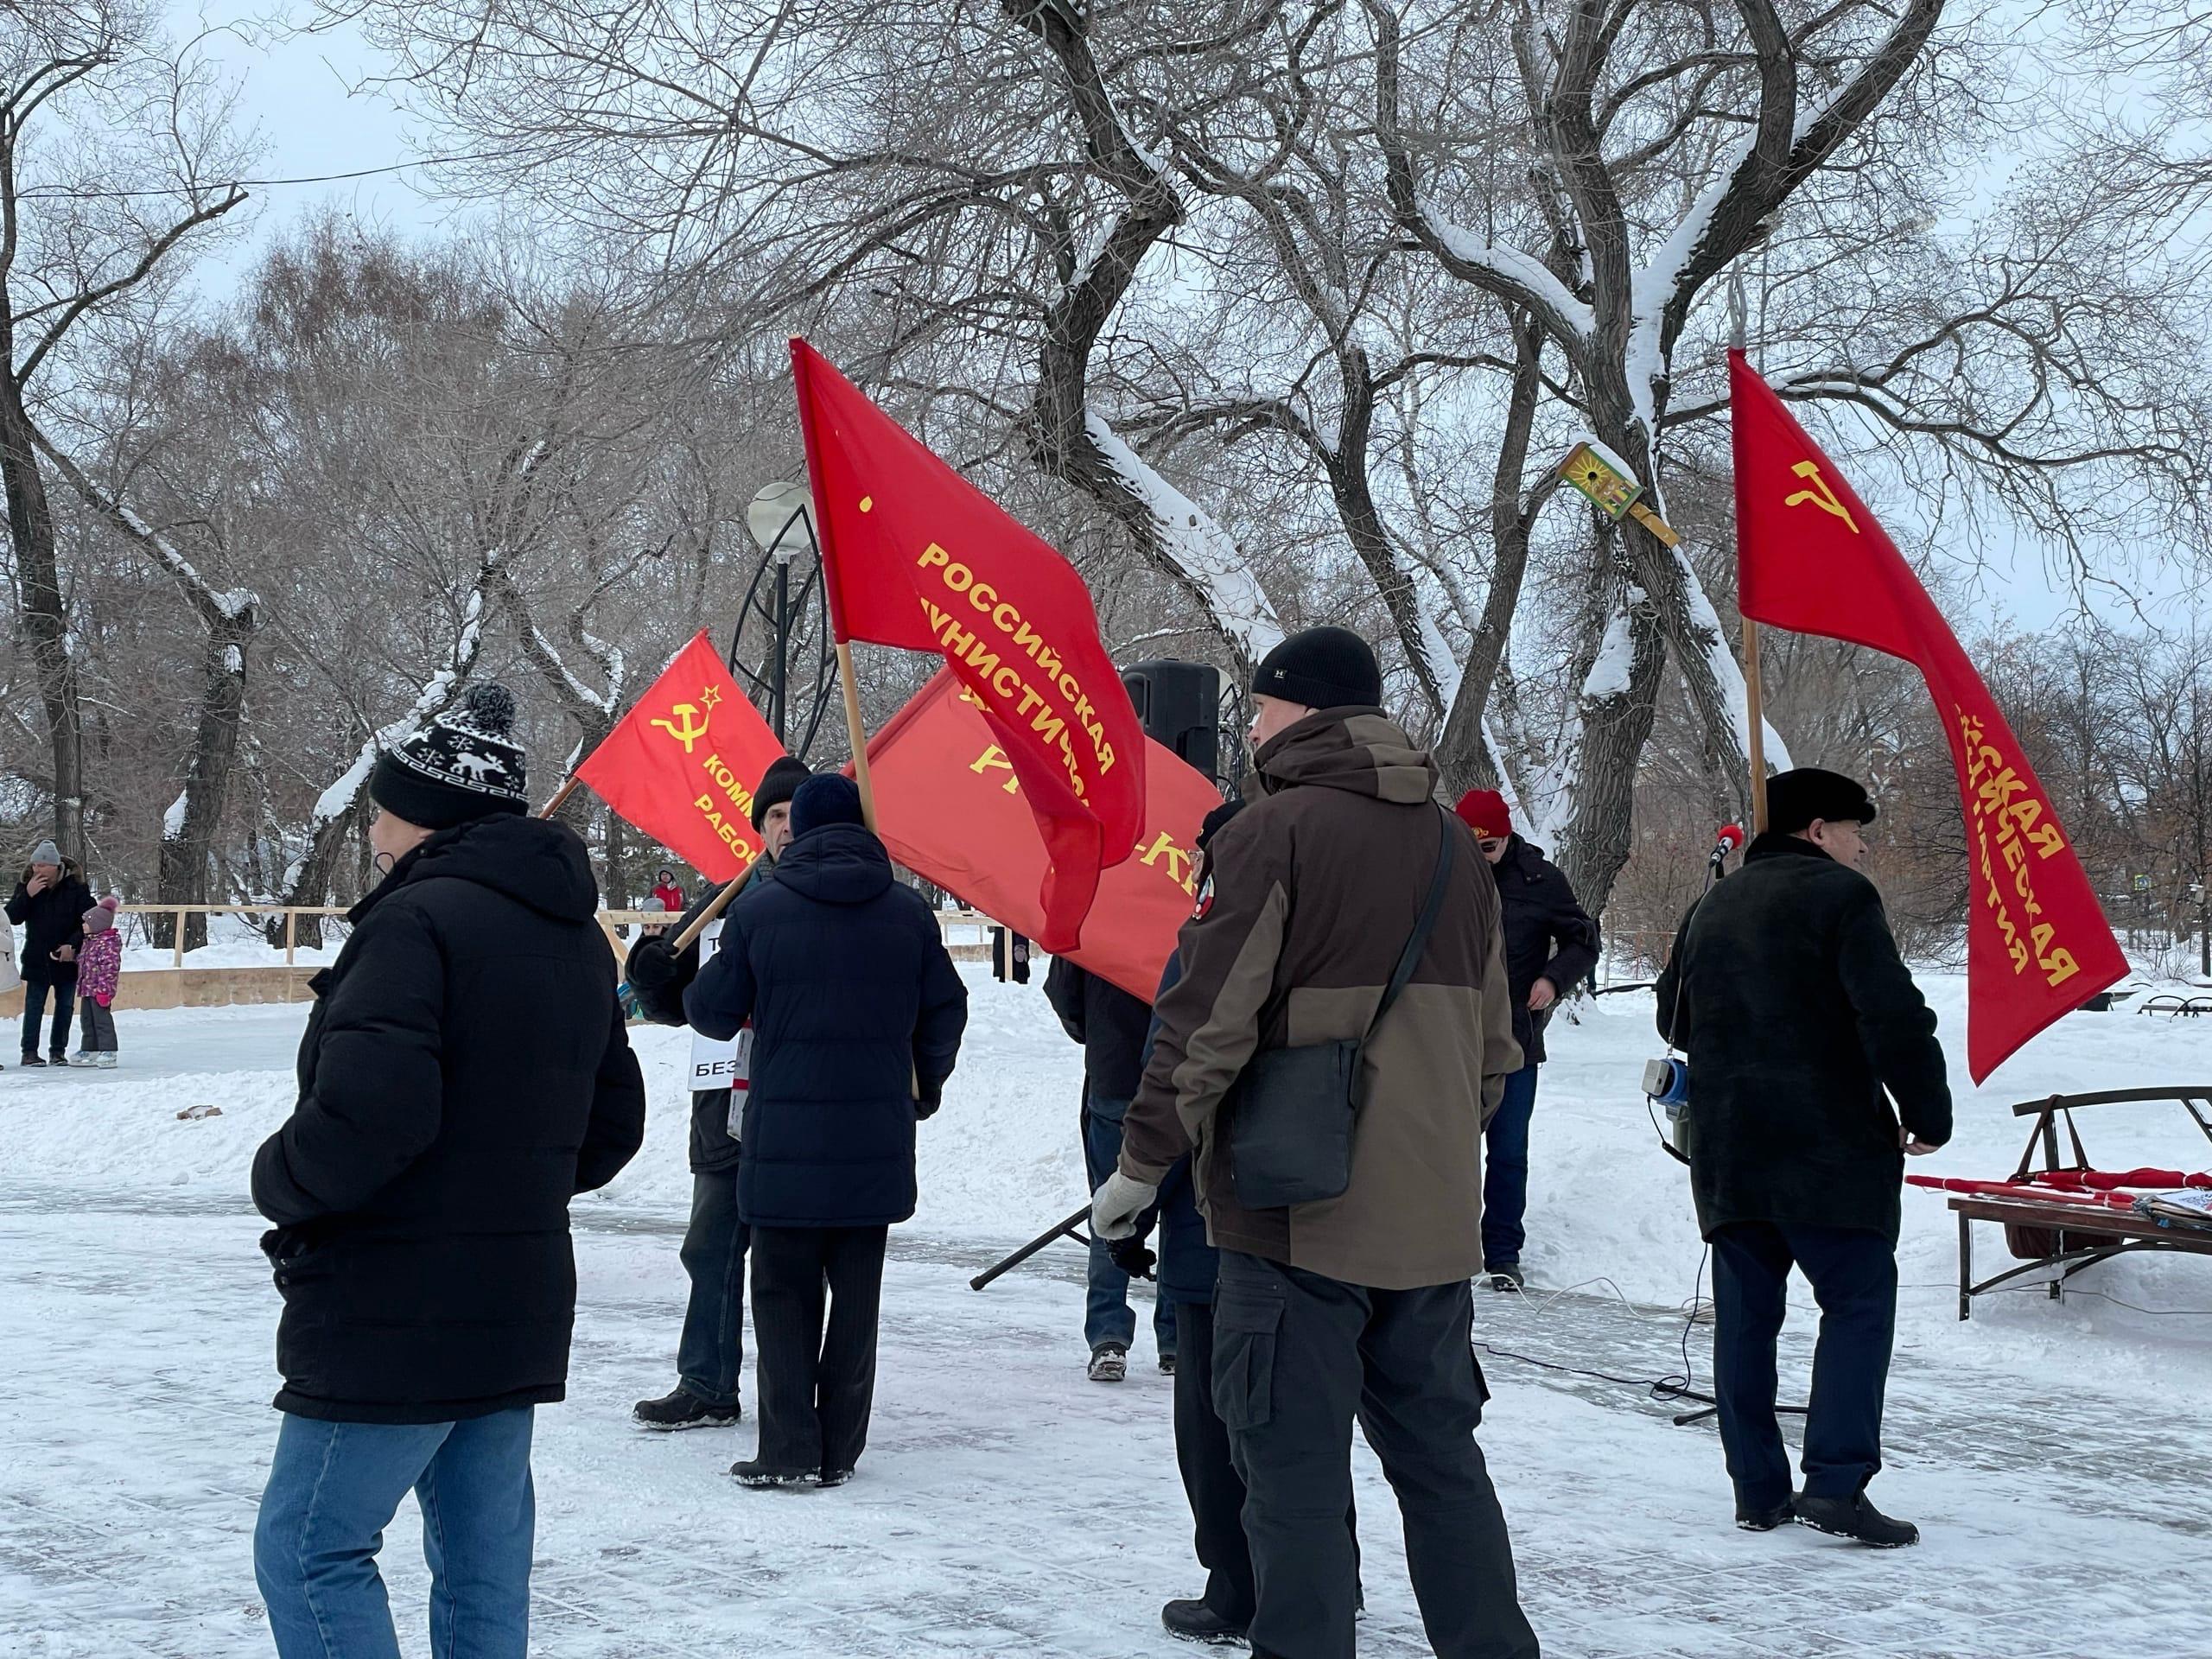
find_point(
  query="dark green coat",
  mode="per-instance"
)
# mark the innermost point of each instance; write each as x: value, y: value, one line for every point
x: 1786, y: 991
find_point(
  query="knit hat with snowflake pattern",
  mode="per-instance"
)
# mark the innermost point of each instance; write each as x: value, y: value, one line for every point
x: 463, y: 764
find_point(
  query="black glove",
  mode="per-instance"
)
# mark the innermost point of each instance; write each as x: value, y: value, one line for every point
x: 927, y: 1105
x: 652, y: 966
x: 1132, y: 1256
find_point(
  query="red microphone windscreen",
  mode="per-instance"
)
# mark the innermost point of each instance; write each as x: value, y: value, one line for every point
x: 1731, y: 836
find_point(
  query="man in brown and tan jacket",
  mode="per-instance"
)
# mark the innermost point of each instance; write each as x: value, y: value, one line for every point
x: 1358, y: 1306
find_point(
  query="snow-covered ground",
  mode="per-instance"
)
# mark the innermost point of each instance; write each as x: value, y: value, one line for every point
x: 2053, y: 1451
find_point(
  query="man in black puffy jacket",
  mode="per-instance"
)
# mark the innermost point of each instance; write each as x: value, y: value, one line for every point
x: 465, y: 1073
x: 1802, y: 1025
x: 711, y: 1350
x: 857, y: 1013
x: 1551, y: 945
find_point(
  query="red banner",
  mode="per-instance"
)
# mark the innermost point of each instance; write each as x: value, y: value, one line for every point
x: 1812, y: 558
x: 948, y: 806
x: 914, y: 556
x: 684, y: 763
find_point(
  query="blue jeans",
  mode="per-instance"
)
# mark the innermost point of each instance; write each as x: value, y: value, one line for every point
x: 36, y: 991
x: 332, y: 1488
x: 1107, y: 1315
x: 1505, y: 1170
x: 1854, y: 1272
x: 712, y: 1348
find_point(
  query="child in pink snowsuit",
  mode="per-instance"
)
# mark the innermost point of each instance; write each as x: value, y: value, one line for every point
x: 100, y: 963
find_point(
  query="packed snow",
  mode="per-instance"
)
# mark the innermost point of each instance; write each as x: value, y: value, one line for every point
x: 2052, y: 1451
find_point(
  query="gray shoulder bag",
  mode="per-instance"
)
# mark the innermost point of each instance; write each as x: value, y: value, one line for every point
x: 1291, y: 1119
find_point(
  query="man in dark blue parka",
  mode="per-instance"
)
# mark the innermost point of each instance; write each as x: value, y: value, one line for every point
x: 857, y: 1013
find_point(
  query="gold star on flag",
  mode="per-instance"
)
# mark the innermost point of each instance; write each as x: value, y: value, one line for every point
x: 711, y: 695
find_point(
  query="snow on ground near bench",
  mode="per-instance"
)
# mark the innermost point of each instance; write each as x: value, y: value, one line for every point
x: 2052, y: 1451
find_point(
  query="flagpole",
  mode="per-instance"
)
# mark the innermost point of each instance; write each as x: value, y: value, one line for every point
x: 698, y: 923
x: 560, y: 795
x: 859, y: 732
x: 1755, y: 715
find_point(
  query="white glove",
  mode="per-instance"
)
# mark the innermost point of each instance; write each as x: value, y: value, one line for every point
x: 1114, y: 1212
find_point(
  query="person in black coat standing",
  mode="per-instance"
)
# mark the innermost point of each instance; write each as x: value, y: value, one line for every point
x: 1786, y: 992
x: 1551, y: 945
x: 465, y: 1073
x: 1112, y: 1026
x: 857, y: 1013
x: 711, y: 1350
x: 50, y: 905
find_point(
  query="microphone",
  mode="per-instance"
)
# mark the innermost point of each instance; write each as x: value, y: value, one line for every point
x: 1726, y: 840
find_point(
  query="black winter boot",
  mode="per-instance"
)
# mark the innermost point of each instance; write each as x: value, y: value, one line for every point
x: 1752, y: 1519
x: 1854, y: 1517
x: 1197, y: 1621
x: 753, y: 1472
x: 684, y: 1410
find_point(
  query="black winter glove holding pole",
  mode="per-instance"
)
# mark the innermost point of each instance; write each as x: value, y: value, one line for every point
x: 1131, y: 1254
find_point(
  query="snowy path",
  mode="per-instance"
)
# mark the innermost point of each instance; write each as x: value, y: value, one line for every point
x: 2052, y: 1452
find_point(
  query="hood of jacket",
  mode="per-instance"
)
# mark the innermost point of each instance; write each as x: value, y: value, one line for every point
x: 1360, y: 751
x: 534, y: 861
x: 837, y: 864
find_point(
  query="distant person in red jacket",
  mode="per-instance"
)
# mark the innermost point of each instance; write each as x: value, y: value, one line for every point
x: 669, y: 895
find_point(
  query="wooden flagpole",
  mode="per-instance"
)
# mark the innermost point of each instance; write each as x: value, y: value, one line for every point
x: 1755, y: 715
x: 1754, y: 691
x: 859, y: 733
x: 560, y: 795
x: 682, y: 941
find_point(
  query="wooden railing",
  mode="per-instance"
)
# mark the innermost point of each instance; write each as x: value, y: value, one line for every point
x: 291, y: 914
x: 609, y: 920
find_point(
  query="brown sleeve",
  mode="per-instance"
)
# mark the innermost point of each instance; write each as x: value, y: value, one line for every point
x: 1502, y: 1055
x: 1208, y: 1021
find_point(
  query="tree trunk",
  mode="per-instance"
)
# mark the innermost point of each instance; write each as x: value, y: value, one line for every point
x: 188, y: 853
x: 1617, y: 709
x: 1461, y: 752
x: 46, y: 621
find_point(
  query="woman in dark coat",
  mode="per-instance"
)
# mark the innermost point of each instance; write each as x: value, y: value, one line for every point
x: 49, y: 905
x: 465, y: 1073
x: 857, y: 1011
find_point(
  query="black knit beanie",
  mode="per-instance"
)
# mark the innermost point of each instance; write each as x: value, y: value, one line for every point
x: 1793, y: 800
x: 1322, y: 668
x: 1217, y: 820
x: 777, y: 784
x: 464, y: 765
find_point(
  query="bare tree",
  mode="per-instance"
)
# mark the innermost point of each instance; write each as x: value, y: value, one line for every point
x: 113, y: 154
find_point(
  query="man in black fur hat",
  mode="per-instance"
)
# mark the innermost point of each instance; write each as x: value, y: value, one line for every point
x: 1802, y: 1025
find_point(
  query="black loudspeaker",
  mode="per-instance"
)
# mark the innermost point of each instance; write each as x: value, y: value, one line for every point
x: 1180, y: 706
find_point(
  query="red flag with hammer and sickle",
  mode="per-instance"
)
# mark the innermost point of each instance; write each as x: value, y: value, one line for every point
x: 684, y: 763
x: 1811, y: 558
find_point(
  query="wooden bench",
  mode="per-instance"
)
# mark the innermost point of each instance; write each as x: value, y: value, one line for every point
x: 2045, y: 1233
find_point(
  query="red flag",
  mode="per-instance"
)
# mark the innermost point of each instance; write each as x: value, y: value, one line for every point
x: 913, y: 555
x: 684, y: 763
x: 1812, y: 558
x: 949, y: 807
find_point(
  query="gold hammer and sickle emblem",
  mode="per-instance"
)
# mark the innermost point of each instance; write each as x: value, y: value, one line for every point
x: 1820, y: 495
x: 686, y: 728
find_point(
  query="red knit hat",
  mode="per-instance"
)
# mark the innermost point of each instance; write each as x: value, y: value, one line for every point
x: 1484, y: 810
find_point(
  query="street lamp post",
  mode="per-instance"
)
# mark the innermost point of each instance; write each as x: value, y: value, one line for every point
x: 779, y: 520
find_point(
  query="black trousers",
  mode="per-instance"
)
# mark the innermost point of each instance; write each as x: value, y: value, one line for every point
x: 1209, y: 1477
x: 1296, y: 1358
x: 815, y: 1378
x: 1853, y: 1271
x: 1210, y: 1481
